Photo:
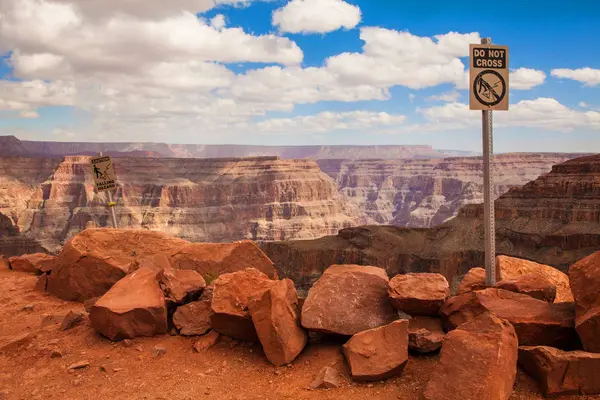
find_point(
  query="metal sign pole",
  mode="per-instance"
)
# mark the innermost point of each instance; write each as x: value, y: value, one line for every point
x: 111, y: 205
x: 488, y: 193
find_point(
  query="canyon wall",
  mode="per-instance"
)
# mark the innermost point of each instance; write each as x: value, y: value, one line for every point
x: 213, y: 200
x: 554, y: 220
x: 425, y: 193
x: 12, y: 146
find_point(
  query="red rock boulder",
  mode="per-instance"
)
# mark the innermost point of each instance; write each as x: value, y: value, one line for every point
x: 585, y: 284
x: 478, y: 360
x: 41, y: 283
x: 534, y: 285
x: 33, y: 263
x: 536, y: 322
x: 425, y: 334
x: 94, y: 260
x: 180, y: 286
x: 231, y: 295
x: 214, y: 259
x: 193, y: 318
x: 511, y: 268
x: 277, y: 322
x: 378, y: 353
x: 562, y: 372
x: 348, y: 299
x: 4, y: 264
x: 418, y: 293
x: 134, y: 306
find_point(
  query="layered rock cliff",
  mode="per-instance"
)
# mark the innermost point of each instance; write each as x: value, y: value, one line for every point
x: 554, y: 220
x: 196, y: 199
x: 425, y: 193
x: 12, y: 146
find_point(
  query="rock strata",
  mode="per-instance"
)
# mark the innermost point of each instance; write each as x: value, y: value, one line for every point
x: 348, y: 299
x: 134, y: 306
x: 230, y: 297
x: 562, y: 372
x: 478, y: 361
x: 425, y: 334
x: 277, y: 321
x: 536, y: 322
x: 418, y: 293
x: 378, y: 353
x: 585, y: 283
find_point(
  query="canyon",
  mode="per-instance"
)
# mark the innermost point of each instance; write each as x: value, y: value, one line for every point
x: 553, y: 220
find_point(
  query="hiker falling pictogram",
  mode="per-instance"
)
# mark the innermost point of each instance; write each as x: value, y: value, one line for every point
x: 489, y: 88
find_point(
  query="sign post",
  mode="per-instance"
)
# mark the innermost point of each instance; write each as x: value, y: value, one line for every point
x: 105, y: 181
x: 489, y: 91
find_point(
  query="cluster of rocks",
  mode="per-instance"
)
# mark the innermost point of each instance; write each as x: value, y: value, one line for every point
x: 535, y: 316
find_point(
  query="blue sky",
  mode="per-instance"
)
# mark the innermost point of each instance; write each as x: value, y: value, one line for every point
x: 296, y: 72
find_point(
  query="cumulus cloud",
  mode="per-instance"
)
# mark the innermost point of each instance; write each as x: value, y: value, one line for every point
x: 545, y: 113
x: 330, y: 121
x: 588, y: 76
x: 28, y: 114
x: 23, y: 96
x: 526, y: 78
x: 448, y: 97
x: 316, y: 16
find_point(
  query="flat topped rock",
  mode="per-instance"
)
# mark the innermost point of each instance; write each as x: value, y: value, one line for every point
x: 534, y: 285
x: 378, y: 353
x: 473, y: 280
x: 180, y: 286
x: 134, y: 306
x: 585, y: 284
x: 536, y: 322
x: 562, y: 372
x: 419, y: 293
x: 478, y: 360
x: 231, y: 294
x: 425, y: 334
x: 33, y: 263
x: 348, y: 299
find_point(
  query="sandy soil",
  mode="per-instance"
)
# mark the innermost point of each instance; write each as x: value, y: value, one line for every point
x: 230, y: 370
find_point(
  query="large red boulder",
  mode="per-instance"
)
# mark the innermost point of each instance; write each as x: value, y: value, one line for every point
x: 478, y: 360
x: 418, y: 293
x: 193, y: 318
x: 231, y: 295
x: 536, y: 322
x: 277, y: 322
x: 134, y: 306
x: 180, y: 286
x: 534, y: 285
x: 33, y: 263
x: 214, y: 259
x: 425, y: 334
x: 585, y: 284
x: 378, y: 353
x: 94, y: 260
x: 511, y: 268
x: 562, y: 372
x: 348, y: 299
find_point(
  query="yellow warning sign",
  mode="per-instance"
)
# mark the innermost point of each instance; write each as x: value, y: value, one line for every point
x: 488, y: 77
x: 104, y: 173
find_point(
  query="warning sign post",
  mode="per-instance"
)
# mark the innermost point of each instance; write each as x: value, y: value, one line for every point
x: 105, y: 180
x: 488, y: 91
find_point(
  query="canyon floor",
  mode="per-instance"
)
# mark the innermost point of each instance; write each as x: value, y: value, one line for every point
x: 229, y: 370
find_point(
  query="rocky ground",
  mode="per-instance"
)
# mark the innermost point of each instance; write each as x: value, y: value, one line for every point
x: 36, y: 355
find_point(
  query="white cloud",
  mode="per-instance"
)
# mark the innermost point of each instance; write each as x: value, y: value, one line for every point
x: 526, y: 78
x: 449, y: 97
x: 583, y: 104
x: 316, y: 16
x: 544, y: 113
x: 23, y: 96
x: 589, y: 76
x: 218, y: 22
x: 411, y: 97
x: 329, y: 121
x: 28, y: 114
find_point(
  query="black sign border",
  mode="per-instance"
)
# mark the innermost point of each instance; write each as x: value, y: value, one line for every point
x: 504, y: 89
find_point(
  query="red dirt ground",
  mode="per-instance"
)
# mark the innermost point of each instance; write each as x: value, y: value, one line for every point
x: 230, y: 370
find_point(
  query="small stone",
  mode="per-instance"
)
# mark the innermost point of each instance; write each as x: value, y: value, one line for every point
x: 159, y: 351
x: 277, y: 372
x: 206, y: 342
x: 56, y: 354
x: 370, y: 385
x: 327, y: 378
x: 72, y: 319
x: 117, y: 369
x: 102, y: 368
x: 127, y: 343
x: 27, y: 307
x: 306, y: 362
x: 79, y: 365
x: 139, y: 348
